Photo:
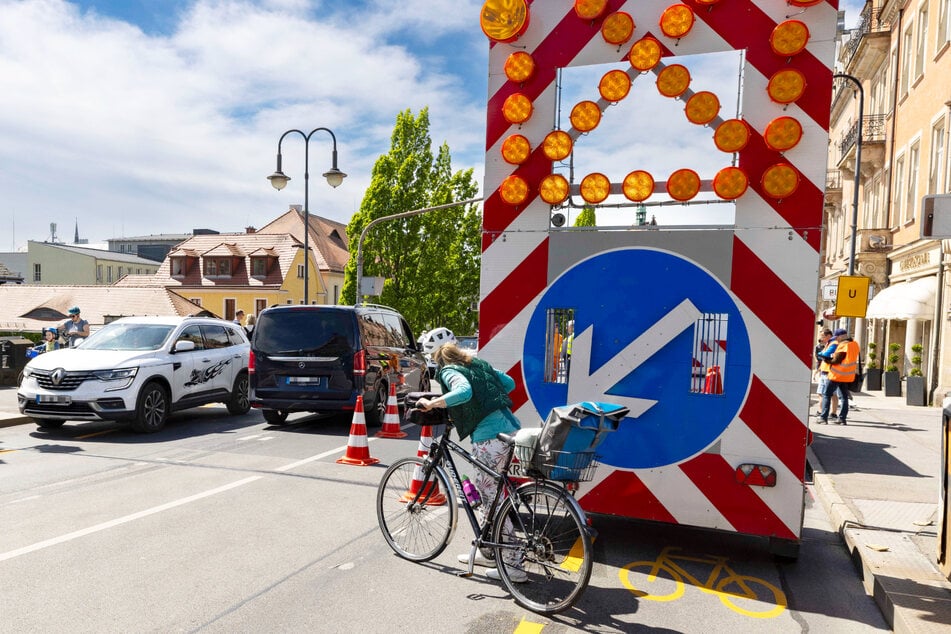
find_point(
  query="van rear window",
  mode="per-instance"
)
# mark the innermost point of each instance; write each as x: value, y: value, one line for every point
x: 328, y: 333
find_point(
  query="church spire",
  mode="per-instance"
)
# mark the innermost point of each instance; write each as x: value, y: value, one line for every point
x: 76, y: 238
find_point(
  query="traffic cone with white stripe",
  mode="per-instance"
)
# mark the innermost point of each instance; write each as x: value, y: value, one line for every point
x: 391, y: 420
x: 358, y: 451
x: 436, y: 497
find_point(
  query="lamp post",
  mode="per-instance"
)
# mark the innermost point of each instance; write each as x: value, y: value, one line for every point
x: 855, y: 182
x: 279, y: 181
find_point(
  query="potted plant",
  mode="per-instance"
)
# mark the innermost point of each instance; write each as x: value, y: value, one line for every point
x: 892, y: 380
x: 915, y: 383
x: 873, y: 373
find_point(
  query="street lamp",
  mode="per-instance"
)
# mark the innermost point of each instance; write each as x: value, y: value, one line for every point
x: 855, y: 181
x: 279, y: 181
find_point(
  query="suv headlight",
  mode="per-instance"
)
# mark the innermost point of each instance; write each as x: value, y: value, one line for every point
x: 27, y: 372
x: 124, y: 376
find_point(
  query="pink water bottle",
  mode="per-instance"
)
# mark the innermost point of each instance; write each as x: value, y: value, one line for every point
x: 471, y: 492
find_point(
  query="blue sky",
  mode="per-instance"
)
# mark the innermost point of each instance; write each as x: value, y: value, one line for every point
x: 139, y: 117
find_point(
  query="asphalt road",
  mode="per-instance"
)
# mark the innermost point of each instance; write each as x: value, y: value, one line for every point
x: 226, y: 524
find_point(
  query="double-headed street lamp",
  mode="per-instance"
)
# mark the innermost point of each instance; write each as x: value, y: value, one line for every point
x: 279, y: 181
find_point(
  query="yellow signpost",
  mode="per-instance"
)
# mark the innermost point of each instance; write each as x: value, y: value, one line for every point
x: 851, y: 300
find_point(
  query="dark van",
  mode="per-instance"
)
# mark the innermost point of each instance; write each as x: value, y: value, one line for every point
x: 320, y: 358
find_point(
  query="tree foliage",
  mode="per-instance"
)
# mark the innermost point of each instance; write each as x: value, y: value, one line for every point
x: 586, y: 218
x: 430, y: 261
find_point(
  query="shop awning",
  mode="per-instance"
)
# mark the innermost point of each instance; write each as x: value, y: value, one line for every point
x: 908, y: 300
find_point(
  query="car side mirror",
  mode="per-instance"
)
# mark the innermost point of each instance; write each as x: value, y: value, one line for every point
x: 183, y: 346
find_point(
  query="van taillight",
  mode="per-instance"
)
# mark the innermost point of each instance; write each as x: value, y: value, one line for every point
x: 251, y: 363
x: 360, y: 363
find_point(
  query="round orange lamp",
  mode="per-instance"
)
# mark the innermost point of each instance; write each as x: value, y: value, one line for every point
x: 638, y: 186
x: 683, y: 184
x: 514, y: 190
x: 595, y: 188
x: 516, y: 149
x: 553, y: 189
x: 504, y: 20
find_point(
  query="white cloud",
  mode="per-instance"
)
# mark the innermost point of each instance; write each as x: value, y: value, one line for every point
x: 137, y: 133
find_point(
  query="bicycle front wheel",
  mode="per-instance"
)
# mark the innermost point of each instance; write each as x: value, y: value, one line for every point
x: 545, y: 554
x: 416, y: 531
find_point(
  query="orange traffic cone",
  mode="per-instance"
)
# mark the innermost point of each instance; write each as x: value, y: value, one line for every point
x: 391, y: 420
x: 358, y: 451
x: 436, y: 497
x: 714, y: 382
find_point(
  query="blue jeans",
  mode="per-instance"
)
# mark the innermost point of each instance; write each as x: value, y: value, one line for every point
x: 831, y: 388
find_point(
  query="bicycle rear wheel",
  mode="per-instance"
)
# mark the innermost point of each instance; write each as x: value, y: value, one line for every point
x: 546, y: 556
x: 421, y: 531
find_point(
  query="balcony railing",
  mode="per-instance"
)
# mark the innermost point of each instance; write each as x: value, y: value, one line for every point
x: 870, y: 21
x: 873, y: 131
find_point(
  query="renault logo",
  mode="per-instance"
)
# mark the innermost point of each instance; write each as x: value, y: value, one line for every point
x: 57, y: 376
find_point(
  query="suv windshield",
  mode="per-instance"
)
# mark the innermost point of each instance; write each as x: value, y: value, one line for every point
x: 328, y: 333
x: 122, y: 336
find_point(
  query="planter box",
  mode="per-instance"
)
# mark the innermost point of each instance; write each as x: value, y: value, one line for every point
x: 873, y: 379
x: 892, y: 383
x: 915, y: 391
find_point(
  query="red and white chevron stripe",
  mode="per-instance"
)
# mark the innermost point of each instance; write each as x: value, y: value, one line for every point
x: 774, y: 254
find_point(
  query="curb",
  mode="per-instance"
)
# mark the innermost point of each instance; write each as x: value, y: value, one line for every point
x: 889, y: 568
x: 15, y: 420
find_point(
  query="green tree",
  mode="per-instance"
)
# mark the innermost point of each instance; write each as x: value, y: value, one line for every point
x: 430, y: 261
x: 586, y: 218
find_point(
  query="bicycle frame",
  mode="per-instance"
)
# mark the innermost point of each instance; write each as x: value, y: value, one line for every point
x: 440, y: 453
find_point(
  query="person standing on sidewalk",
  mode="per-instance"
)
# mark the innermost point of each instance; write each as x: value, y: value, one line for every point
x: 842, y: 368
x: 824, y: 349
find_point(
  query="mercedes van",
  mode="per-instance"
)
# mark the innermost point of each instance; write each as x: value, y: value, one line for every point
x: 321, y: 358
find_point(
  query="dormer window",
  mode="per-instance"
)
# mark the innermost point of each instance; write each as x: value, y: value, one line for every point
x: 217, y: 267
x: 180, y: 265
x: 259, y: 267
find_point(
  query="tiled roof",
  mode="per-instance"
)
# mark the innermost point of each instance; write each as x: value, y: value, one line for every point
x: 281, y: 245
x: 32, y: 308
x: 328, y: 239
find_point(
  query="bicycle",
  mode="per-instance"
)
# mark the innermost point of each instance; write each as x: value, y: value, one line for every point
x: 740, y: 593
x: 536, y: 526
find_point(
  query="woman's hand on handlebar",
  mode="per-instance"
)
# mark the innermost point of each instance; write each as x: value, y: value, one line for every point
x: 426, y: 404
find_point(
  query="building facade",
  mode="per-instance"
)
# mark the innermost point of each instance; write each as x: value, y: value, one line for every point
x: 51, y: 263
x: 882, y: 161
x: 250, y: 271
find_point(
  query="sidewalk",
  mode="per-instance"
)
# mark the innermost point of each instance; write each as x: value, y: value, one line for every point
x: 877, y: 478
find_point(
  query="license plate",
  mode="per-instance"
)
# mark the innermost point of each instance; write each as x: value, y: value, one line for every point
x: 53, y: 399
x: 311, y: 381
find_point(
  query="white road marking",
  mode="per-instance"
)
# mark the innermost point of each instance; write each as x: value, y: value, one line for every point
x: 123, y: 520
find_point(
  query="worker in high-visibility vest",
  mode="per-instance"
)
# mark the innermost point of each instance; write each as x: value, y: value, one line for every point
x: 843, y: 365
x: 569, y: 339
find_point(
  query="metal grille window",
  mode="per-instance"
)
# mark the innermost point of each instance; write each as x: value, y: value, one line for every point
x: 559, y: 338
x: 709, y: 354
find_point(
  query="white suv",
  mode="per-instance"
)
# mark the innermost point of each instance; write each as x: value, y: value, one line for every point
x: 139, y: 369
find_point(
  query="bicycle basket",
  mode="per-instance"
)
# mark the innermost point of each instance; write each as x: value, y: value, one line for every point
x: 566, y: 442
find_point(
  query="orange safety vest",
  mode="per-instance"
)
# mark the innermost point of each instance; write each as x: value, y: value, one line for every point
x: 845, y: 372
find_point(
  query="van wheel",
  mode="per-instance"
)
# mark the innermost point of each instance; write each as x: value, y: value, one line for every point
x: 275, y: 416
x: 48, y: 423
x: 152, y: 409
x: 239, y: 403
x: 375, y: 414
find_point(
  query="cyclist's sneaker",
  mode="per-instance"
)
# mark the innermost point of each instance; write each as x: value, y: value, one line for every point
x: 480, y: 559
x: 516, y: 575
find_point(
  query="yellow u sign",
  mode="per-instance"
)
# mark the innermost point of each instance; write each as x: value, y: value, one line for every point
x: 852, y: 297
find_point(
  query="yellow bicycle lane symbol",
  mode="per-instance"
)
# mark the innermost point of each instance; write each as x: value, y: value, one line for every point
x: 663, y: 580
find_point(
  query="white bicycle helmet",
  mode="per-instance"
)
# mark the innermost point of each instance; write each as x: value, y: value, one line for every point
x: 434, y: 338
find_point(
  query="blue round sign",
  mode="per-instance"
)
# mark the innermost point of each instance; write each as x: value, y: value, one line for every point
x: 618, y: 296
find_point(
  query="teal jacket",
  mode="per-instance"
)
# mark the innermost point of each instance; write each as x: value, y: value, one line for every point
x: 477, y: 398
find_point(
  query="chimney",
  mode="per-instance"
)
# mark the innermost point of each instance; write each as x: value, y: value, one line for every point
x: 250, y: 230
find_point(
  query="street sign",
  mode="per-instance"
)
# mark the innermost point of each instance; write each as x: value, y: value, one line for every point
x: 636, y: 338
x: 829, y: 291
x: 852, y: 297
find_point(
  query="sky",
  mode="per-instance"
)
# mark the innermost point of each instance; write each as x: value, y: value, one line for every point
x: 139, y: 117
